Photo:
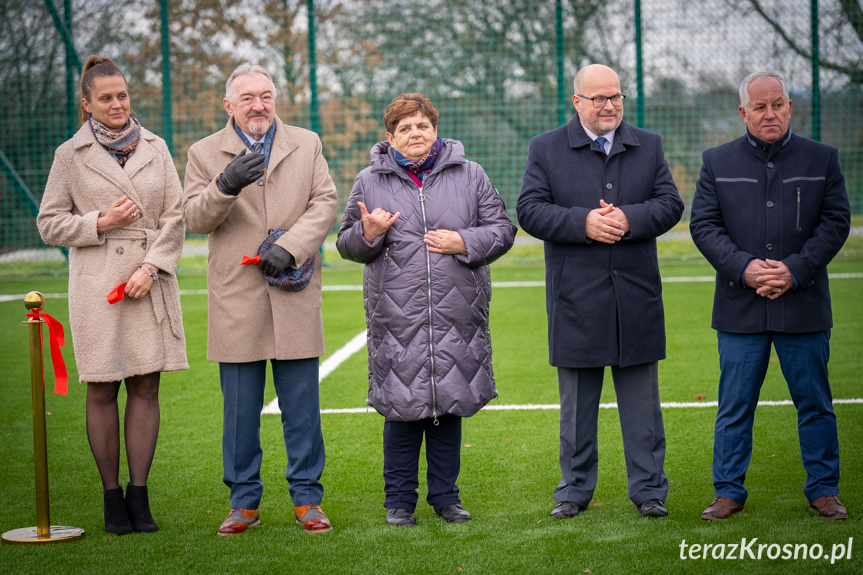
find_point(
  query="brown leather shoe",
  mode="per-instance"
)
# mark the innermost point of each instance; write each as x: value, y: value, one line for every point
x: 238, y: 521
x: 722, y: 508
x: 829, y: 507
x: 312, y: 518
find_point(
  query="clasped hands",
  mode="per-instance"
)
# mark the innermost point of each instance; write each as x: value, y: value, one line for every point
x: 378, y: 221
x: 769, y: 278
x: 606, y: 224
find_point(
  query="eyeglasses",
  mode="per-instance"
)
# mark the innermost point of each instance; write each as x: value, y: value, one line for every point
x: 599, y: 101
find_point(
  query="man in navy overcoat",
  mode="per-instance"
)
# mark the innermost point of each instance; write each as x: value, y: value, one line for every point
x: 770, y: 212
x: 598, y: 192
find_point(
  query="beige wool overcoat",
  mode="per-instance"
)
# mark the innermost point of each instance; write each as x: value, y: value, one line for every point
x: 116, y: 341
x: 249, y: 320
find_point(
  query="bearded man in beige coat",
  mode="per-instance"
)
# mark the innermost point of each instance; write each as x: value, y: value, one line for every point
x: 254, y: 177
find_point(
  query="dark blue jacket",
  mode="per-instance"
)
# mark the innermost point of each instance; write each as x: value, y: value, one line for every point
x: 604, y: 301
x: 785, y: 203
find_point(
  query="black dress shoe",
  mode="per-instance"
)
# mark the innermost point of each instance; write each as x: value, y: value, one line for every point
x: 653, y: 508
x: 400, y: 516
x: 454, y: 513
x: 565, y: 510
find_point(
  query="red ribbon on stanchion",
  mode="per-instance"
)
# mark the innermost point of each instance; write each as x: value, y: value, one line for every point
x: 58, y: 340
x: 247, y: 260
x: 117, y: 293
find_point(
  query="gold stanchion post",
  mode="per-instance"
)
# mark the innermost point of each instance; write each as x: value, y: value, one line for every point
x: 44, y: 532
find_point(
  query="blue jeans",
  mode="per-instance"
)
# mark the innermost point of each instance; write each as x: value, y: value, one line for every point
x: 296, y: 383
x: 743, y: 360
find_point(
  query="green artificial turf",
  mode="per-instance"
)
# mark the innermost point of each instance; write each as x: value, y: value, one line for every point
x: 509, y: 458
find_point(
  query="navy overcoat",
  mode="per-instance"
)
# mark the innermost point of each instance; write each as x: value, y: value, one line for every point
x: 786, y: 202
x: 604, y: 302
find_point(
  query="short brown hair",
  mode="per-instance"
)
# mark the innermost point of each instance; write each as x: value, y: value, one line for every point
x: 95, y: 67
x: 405, y: 105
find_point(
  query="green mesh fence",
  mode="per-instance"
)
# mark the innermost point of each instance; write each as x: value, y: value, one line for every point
x: 499, y: 71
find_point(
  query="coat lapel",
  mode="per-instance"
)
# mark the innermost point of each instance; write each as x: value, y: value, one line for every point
x: 100, y: 161
x: 624, y: 138
x: 231, y: 142
x: 282, y: 146
x: 143, y: 155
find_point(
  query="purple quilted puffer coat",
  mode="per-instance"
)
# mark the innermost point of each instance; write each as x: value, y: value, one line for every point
x: 427, y: 313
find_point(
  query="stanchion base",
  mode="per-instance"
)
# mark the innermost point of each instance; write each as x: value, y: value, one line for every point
x: 28, y: 535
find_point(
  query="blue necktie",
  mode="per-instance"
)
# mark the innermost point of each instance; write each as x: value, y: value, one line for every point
x: 600, y: 141
x: 258, y: 147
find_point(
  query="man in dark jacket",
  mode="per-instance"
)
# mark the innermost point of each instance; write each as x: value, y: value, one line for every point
x: 770, y: 212
x: 598, y: 192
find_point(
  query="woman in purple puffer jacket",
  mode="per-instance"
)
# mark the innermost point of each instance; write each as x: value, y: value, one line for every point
x: 427, y: 223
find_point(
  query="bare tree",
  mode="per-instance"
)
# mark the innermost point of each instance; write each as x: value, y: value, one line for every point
x: 841, y: 28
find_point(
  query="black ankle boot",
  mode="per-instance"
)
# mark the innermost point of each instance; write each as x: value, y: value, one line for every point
x: 138, y: 508
x: 116, y: 518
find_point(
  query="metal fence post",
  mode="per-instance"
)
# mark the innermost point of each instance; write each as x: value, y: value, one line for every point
x: 168, y: 128
x: 816, y: 64
x: 559, y: 51
x: 639, y: 69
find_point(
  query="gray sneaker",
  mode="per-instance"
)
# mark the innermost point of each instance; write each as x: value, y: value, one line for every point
x: 400, y: 516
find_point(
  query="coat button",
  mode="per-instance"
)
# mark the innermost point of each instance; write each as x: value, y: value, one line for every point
x: 608, y: 186
x: 270, y: 232
x: 769, y: 164
x: 614, y: 272
x: 769, y: 247
x: 261, y: 182
x: 731, y: 284
x: 769, y: 204
x: 119, y: 251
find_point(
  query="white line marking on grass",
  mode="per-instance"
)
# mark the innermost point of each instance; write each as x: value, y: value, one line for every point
x: 552, y: 406
x: 359, y: 287
x: 327, y: 367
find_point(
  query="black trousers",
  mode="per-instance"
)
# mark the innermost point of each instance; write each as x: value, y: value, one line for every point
x: 402, y: 443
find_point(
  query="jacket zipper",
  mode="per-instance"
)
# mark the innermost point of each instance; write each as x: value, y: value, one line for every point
x: 384, y: 270
x: 421, y: 199
x: 475, y: 281
x: 798, y: 209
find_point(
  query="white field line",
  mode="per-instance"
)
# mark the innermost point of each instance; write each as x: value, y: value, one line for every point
x: 354, y: 287
x: 359, y: 341
x: 554, y: 406
x: 327, y: 367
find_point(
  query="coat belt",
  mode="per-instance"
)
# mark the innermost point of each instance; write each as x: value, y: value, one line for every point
x: 164, y: 295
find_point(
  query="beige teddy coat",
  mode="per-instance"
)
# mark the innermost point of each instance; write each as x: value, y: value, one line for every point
x: 249, y: 320
x: 115, y: 341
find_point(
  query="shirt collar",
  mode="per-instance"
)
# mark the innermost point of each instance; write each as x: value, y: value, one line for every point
x: 609, y: 136
x: 759, y: 143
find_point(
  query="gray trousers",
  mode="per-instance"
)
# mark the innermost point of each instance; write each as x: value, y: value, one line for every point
x: 637, y: 390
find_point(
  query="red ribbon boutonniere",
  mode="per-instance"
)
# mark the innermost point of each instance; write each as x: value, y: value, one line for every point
x: 58, y: 340
x: 247, y: 260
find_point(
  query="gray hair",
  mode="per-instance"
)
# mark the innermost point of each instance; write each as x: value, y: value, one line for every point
x: 246, y: 68
x: 747, y: 81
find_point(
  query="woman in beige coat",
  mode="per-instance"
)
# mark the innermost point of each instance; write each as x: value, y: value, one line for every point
x: 113, y: 197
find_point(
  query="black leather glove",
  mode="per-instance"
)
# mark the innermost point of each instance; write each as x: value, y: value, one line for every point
x: 242, y: 171
x: 275, y: 260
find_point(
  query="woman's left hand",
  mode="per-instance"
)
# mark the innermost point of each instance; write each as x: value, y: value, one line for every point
x: 138, y: 285
x: 445, y: 242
